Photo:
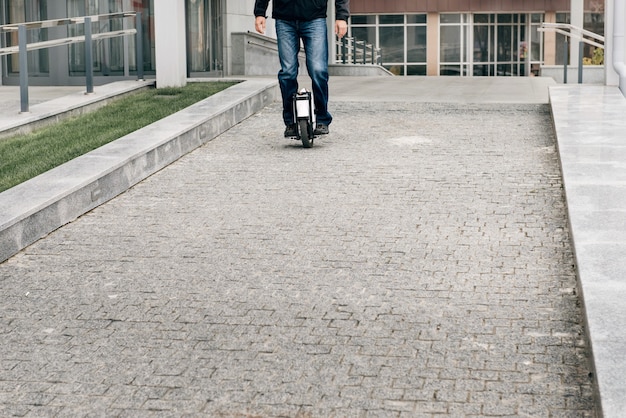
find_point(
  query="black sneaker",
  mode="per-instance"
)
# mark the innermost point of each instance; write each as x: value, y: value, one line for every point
x: 321, y: 129
x: 291, y: 130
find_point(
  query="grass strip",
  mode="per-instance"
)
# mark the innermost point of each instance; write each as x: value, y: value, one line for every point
x: 23, y: 157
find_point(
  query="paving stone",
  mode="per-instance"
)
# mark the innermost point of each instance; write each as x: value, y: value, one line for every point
x: 414, y: 262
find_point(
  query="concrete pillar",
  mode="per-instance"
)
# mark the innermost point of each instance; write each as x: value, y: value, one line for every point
x: 170, y: 43
x: 577, y: 19
x: 549, y: 41
x: 611, y: 76
x: 332, y: 38
x: 432, y: 40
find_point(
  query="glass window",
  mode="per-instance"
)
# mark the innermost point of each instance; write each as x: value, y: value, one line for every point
x: 114, y: 56
x: 504, y: 45
x: 496, y: 44
x: 391, y: 19
x: 414, y: 19
x: 482, y: 44
x: 453, y: 70
x: 450, y: 49
x: 416, y: 70
x: 392, y: 43
x: 505, y: 18
x: 504, y: 70
x: 560, y: 39
x: 367, y: 34
x: 594, y: 22
x: 204, y: 36
x: 416, y: 44
x: 363, y: 19
x: 450, y: 18
x: 483, y: 18
x: 28, y: 11
x: 483, y: 70
x: 396, y: 69
x: 400, y: 38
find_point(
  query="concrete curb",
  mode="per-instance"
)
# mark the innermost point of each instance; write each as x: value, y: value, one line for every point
x: 37, y: 207
x: 589, y: 126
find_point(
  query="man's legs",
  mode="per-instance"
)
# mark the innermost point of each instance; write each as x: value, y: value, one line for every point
x: 314, y: 34
x: 288, y: 48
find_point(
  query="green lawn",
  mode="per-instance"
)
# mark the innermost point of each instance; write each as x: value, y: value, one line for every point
x: 23, y: 157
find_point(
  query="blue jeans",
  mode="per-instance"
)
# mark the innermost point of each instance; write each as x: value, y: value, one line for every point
x: 314, y: 36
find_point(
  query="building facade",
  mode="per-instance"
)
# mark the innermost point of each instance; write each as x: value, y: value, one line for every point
x: 207, y: 25
x: 416, y: 37
x: 472, y: 38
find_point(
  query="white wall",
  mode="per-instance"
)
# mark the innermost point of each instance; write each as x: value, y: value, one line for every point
x: 240, y: 18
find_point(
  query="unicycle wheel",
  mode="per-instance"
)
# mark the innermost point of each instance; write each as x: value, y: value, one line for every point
x: 306, y: 133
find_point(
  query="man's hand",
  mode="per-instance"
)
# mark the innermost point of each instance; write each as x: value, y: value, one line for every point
x: 259, y: 24
x: 341, y: 28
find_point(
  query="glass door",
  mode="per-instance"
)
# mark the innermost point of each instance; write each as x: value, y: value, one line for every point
x: 113, y: 56
x: 77, y: 8
x: 204, y: 37
x: 500, y: 45
x: 19, y: 11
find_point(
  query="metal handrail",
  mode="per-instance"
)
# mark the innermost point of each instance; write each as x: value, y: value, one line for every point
x: 350, y: 49
x: 66, y: 41
x: 41, y: 24
x: 577, y: 33
x: 23, y: 47
x: 584, y: 32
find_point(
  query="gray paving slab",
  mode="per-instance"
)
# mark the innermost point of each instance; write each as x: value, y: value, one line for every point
x: 415, y: 262
x: 590, y: 126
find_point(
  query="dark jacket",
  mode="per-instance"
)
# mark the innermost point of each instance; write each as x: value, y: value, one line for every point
x: 302, y: 9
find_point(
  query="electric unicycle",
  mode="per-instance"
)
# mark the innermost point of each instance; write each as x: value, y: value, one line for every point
x: 304, y: 115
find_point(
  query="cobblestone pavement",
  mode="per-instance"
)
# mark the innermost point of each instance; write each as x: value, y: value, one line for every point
x: 415, y: 262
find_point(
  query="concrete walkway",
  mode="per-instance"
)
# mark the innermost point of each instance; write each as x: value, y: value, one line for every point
x: 415, y: 262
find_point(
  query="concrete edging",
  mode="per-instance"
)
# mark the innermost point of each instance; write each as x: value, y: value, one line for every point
x: 589, y: 125
x: 37, y: 207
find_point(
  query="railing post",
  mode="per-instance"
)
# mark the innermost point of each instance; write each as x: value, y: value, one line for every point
x: 344, y: 47
x: 139, y: 45
x: 565, y: 60
x: 88, y: 56
x: 364, y: 52
x: 581, y: 51
x: 23, y: 61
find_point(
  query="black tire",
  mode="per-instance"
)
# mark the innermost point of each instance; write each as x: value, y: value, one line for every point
x: 306, y: 133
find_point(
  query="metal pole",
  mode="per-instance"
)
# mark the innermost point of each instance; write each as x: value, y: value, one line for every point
x: 364, y: 52
x: 88, y: 56
x: 23, y: 60
x: 344, y: 49
x: 581, y: 51
x: 566, y: 58
x: 139, y: 45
